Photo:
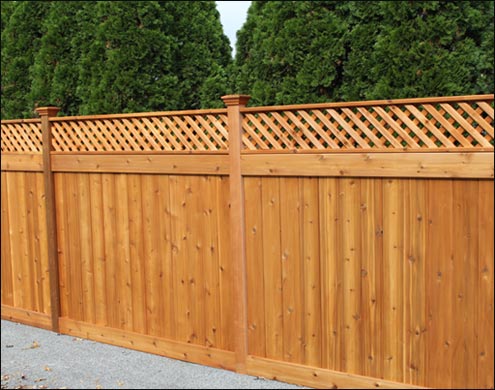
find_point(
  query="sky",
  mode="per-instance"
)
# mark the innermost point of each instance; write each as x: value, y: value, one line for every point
x: 232, y: 15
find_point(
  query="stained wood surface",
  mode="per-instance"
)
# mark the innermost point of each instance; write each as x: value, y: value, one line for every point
x: 429, y: 123
x: 157, y: 345
x: 146, y: 254
x: 22, y: 162
x: 168, y: 164
x: 333, y: 245
x: 414, y: 165
x: 390, y: 261
x: 25, y: 276
x: 317, y: 377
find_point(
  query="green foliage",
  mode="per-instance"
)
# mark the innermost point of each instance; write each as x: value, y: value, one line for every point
x: 7, y: 7
x: 202, y: 54
x: 55, y: 72
x: 93, y: 57
x: 128, y: 66
x: 312, y: 51
x: 104, y: 56
x: 21, y: 38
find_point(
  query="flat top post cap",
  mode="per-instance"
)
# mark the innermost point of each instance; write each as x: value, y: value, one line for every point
x: 47, y: 111
x: 236, y: 100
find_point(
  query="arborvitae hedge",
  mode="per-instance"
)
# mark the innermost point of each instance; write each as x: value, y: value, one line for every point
x: 93, y: 57
x: 104, y: 57
x: 312, y: 51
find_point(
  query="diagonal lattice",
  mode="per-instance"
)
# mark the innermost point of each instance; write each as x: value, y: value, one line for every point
x: 411, y: 124
x: 153, y: 133
x: 20, y: 136
x: 388, y: 126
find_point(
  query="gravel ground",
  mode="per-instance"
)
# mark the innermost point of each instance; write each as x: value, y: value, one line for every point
x: 35, y: 358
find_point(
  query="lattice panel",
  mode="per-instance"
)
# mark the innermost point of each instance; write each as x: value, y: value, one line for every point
x: 21, y: 137
x: 408, y: 126
x: 163, y: 133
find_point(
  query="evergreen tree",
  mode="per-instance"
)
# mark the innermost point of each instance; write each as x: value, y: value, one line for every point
x: 312, y: 51
x: 202, y: 54
x: 128, y: 66
x: 423, y: 48
x: 7, y: 8
x: 20, y: 42
x: 149, y: 56
x: 106, y: 57
x: 291, y: 51
x: 67, y: 31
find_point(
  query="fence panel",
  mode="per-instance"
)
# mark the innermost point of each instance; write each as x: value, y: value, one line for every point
x: 394, y: 260
x: 160, y: 265
x: 25, y: 276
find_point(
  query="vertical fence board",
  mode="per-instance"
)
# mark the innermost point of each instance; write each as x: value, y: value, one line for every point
x: 109, y: 223
x: 74, y: 229
x: 42, y: 243
x: 272, y: 268
x: 196, y: 262
x: 351, y: 251
x: 415, y: 224
x: 122, y: 254
x: 225, y: 264
x: 212, y: 316
x: 24, y: 239
x: 63, y: 243
x: 440, y: 247
x: 138, y: 296
x: 86, y: 247
x: 311, y: 271
x: 465, y: 298
x: 484, y: 283
x: 292, y: 271
x: 15, y: 239
x: 32, y: 233
x: 181, y: 231
x: 166, y: 266
x: 254, y: 254
x: 7, y: 260
x: 332, y: 309
x: 157, y: 300
x: 148, y: 254
x: 98, y: 245
x: 371, y: 210
x: 393, y: 258
x: 28, y: 268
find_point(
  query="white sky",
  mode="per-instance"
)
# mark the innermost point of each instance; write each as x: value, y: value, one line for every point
x: 232, y: 15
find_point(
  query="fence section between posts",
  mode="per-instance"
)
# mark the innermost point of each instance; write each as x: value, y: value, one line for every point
x: 330, y: 245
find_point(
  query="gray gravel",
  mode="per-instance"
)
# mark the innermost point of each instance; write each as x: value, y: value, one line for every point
x: 35, y: 358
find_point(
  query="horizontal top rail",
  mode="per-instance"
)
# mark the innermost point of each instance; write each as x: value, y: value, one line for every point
x: 138, y: 115
x: 15, y: 121
x: 366, y: 151
x: 367, y: 103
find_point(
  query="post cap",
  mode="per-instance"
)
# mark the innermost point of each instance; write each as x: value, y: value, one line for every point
x: 235, y: 100
x: 47, y: 111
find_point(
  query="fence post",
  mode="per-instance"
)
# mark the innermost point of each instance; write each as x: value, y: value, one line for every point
x: 51, y: 218
x: 237, y: 238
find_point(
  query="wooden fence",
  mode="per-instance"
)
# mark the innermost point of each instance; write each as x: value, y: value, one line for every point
x: 331, y: 245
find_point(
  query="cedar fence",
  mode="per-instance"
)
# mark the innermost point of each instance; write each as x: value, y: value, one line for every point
x: 331, y: 245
